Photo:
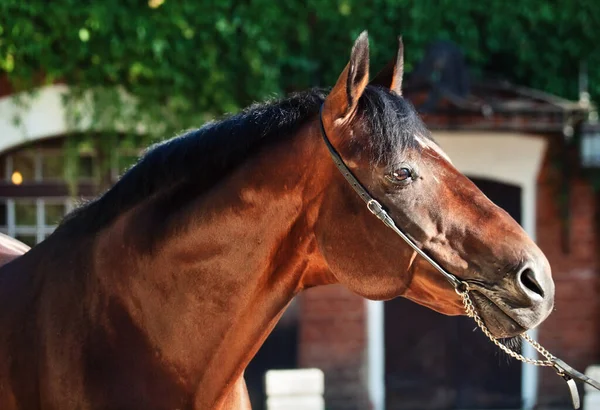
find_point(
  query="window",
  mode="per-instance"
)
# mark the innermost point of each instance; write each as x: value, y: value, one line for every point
x: 48, y: 164
x: 25, y: 212
x: 44, y: 165
x: 3, y: 168
x: 53, y: 165
x: 24, y: 163
x: 53, y: 213
x: 32, y: 220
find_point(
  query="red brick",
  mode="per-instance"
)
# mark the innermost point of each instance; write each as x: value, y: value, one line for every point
x: 333, y: 338
x: 572, y: 332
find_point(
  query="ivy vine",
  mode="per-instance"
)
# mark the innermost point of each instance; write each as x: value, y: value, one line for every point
x: 184, y: 62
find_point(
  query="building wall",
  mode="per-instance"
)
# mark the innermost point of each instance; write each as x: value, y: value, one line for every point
x: 572, y: 332
x: 333, y: 337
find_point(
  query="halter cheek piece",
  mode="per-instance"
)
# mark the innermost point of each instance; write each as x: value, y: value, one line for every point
x: 461, y: 287
x: 375, y: 207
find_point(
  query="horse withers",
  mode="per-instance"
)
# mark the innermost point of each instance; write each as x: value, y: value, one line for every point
x: 157, y: 294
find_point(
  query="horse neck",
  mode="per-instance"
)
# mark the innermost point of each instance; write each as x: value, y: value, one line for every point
x: 207, y: 294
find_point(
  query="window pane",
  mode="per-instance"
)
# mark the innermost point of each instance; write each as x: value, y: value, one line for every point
x: 53, y: 166
x: 24, y: 164
x: 3, y: 215
x: 86, y: 167
x: 25, y: 213
x: 3, y: 169
x: 54, y: 213
x: 27, y: 239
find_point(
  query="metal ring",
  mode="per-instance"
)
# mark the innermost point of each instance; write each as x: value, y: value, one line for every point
x: 374, y: 206
x: 462, y: 288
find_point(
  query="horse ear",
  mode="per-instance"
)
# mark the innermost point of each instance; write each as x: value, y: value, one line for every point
x: 344, y: 96
x: 391, y: 75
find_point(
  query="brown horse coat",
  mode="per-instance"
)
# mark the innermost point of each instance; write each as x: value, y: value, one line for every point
x: 159, y: 293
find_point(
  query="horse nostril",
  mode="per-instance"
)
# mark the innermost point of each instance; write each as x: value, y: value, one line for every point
x: 528, y: 280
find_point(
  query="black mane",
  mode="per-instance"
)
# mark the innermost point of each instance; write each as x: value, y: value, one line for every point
x: 204, y: 156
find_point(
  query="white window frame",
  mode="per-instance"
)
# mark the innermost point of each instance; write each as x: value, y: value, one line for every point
x: 40, y: 230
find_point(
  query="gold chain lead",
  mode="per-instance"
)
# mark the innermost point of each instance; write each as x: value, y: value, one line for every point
x: 472, y: 312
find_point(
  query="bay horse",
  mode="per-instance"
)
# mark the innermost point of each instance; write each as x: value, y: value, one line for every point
x: 157, y: 294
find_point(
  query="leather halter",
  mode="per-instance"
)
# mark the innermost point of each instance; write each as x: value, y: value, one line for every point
x: 377, y: 209
x: 567, y: 372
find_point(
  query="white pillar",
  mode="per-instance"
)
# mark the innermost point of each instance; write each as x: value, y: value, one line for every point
x: 376, y: 354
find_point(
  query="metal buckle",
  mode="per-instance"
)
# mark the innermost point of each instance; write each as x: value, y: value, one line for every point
x: 375, y: 207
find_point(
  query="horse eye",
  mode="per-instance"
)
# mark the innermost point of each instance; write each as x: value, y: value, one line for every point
x: 399, y: 176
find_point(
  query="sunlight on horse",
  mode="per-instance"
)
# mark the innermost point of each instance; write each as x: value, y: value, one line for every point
x: 157, y: 294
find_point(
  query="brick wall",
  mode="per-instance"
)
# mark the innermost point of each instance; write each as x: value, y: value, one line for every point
x: 333, y: 337
x: 572, y: 332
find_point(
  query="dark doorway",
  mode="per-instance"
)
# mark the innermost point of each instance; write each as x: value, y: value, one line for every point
x: 436, y: 362
x: 280, y: 351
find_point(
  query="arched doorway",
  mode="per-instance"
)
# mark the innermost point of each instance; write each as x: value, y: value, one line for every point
x: 437, y: 362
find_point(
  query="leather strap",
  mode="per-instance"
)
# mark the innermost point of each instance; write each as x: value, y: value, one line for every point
x: 564, y: 369
x: 377, y: 209
x: 341, y: 166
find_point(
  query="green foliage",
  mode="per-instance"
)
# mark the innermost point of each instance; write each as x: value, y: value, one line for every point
x: 187, y: 61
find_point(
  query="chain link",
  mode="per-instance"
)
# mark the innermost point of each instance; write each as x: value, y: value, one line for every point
x: 472, y: 312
